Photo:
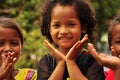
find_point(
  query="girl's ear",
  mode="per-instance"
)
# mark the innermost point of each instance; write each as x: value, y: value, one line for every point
x: 84, y: 29
x: 113, y: 51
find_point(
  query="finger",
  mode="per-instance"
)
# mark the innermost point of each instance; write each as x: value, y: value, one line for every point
x: 49, y: 47
x: 12, y: 58
x: 84, y: 39
x: 74, y: 51
x: 80, y: 44
x: 3, y: 58
x: 10, y: 71
x: 53, y: 51
x: 5, y: 61
x: 4, y: 72
x: 93, y: 51
x: 7, y: 71
x: 11, y: 53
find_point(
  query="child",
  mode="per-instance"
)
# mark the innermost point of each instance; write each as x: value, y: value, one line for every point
x: 114, y: 45
x: 11, y: 43
x: 65, y: 23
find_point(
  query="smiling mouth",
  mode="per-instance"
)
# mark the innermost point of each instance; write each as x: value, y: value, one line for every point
x: 65, y: 39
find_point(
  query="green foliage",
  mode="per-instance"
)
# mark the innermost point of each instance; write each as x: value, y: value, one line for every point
x: 105, y: 10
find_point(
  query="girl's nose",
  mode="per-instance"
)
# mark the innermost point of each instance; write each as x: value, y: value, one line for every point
x: 64, y: 31
x: 7, y: 49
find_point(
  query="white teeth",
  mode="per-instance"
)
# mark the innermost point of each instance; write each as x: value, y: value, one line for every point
x: 64, y: 38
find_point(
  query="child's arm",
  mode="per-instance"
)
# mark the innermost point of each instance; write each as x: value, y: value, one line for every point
x: 59, y: 70
x: 106, y: 60
x: 73, y: 69
x: 69, y: 59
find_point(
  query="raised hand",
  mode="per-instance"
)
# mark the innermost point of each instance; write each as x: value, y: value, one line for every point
x: 76, y: 49
x: 73, y: 52
x: 53, y: 51
x: 112, y: 62
x: 6, y: 68
x: 67, y: 60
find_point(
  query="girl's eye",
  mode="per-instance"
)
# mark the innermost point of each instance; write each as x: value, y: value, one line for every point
x: 117, y: 41
x: 15, y: 43
x: 55, y: 26
x: 71, y: 24
x: 1, y: 43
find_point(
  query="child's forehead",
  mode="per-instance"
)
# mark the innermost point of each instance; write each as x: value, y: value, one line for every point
x: 8, y: 29
x: 115, y: 29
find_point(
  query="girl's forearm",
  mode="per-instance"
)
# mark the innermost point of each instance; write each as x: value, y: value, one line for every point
x: 58, y: 72
x: 73, y: 70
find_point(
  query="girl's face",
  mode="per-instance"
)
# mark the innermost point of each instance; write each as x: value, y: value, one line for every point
x: 65, y: 27
x: 10, y: 43
x: 115, y: 35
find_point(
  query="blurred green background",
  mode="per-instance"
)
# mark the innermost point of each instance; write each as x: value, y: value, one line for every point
x: 26, y: 14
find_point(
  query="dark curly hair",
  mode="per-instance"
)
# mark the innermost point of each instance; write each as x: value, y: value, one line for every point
x: 84, y: 11
x: 113, y: 23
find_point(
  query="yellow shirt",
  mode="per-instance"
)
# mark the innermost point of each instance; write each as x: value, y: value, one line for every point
x: 68, y: 78
x: 26, y: 74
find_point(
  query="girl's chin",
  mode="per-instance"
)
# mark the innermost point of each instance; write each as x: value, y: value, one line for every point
x: 66, y: 46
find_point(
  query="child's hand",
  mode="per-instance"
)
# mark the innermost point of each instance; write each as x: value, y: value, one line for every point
x: 76, y: 49
x: 57, y: 54
x: 112, y: 62
x: 6, y: 68
x: 73, y: 52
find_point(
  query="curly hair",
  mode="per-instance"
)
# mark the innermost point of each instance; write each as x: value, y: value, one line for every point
x: 113, y: 23
x: 84, y: 11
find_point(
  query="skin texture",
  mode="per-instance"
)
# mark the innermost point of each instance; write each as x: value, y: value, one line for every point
x: 10, y: 49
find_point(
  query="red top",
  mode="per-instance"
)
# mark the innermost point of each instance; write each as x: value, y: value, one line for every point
x: 110, y: 75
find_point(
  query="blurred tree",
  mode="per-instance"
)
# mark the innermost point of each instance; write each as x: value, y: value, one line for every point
x: 105, y: 10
